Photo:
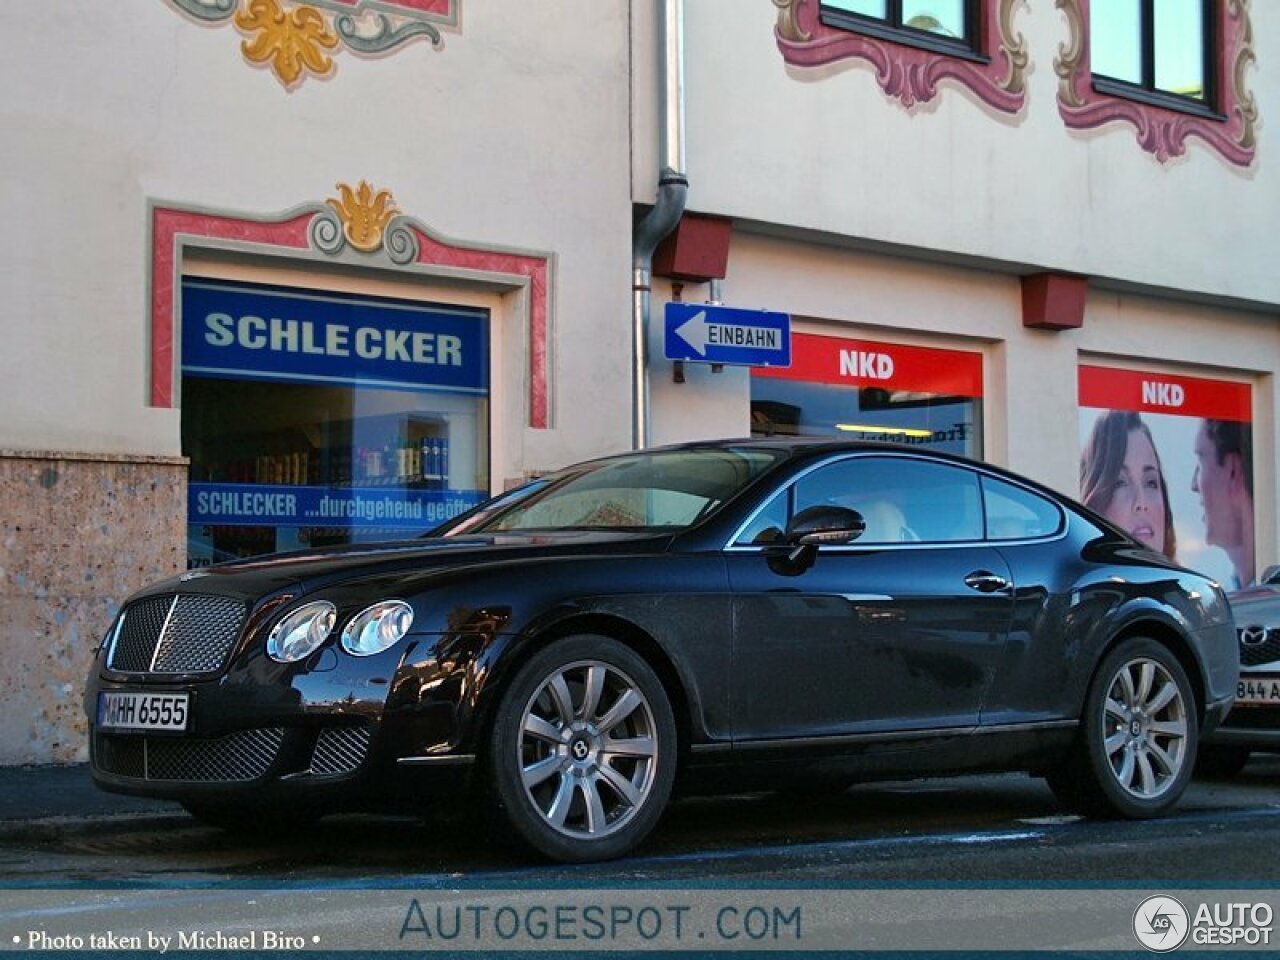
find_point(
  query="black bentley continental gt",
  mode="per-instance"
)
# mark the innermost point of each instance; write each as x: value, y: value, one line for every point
x: 795, y: 614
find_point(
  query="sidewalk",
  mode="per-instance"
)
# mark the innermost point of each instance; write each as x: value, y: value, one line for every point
x: 44, y: 802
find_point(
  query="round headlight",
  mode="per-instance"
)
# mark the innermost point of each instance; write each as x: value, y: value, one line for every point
x: 375, y: 628
x: 302, y: 631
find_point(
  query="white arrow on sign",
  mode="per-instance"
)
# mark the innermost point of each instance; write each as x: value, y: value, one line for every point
x: 697, y: 333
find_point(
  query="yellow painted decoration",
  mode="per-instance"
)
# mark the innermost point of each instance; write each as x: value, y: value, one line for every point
x: 290, y: 39
x: 364, y: 214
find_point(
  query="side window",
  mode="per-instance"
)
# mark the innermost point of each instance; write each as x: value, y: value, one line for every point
x: 1016, y: 514
x: 902, y: 500
x: 770, y: 524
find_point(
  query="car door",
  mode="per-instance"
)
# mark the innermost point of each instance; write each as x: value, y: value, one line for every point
x: 902, y: 629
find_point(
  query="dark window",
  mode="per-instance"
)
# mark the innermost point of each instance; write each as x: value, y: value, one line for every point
x: 948, y: 26
x: 1014, y: 513
x: 1159, y: 48
x: 902, y: 500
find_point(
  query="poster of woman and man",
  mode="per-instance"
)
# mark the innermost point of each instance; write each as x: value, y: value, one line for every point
x: 1170, y: 460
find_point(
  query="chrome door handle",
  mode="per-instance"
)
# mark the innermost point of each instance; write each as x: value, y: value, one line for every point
x: 984, y: 581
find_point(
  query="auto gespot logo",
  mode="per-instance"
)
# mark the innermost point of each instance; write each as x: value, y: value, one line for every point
x: 1161, y: 923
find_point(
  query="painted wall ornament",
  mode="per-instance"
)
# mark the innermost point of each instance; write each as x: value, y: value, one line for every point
x: 911, y: 75
x: 295, y: 38
x: 290, y: 40
x: 368, y: 221
x: 1163, y: 131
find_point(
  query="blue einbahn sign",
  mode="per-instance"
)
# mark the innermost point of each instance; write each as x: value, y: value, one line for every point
x: 706, y: 333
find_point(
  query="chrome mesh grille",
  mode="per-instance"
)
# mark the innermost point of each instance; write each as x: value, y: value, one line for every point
x: 340, y: 750
x: 179, y: 634
x: 135, y: 641
x: 244, y: 755
x: 1258, y: 645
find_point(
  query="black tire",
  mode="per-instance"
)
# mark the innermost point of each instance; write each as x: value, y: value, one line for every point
x: 1135, y: 751
x: 582, y: 753
x: 250, y: 821
x: 1221, y: 760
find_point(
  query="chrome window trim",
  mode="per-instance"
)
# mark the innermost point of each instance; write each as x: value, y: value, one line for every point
x: 1064, y: 520
x: 115, y: 639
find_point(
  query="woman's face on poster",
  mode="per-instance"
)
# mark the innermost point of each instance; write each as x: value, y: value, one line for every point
x: 1138, y: 498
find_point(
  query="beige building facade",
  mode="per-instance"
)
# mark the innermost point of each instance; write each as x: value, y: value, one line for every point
x: 377, y: 256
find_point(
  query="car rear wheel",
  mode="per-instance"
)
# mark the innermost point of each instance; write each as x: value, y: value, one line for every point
x: 582, y: 753
x: 1221, y: 760
x: 1136, y: 747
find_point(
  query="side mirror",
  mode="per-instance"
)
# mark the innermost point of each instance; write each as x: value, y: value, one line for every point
x: 825, y: 526
x: 1271, y: 574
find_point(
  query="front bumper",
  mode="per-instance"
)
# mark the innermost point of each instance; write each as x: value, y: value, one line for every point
x: 1257, y: 727
x: 1215, y: 714
x: 335, y: 731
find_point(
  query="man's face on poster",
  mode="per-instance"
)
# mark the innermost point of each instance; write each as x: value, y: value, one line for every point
x: 1213, y: 481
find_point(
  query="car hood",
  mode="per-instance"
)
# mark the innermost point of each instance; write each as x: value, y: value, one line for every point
x: 304, y: 571
x: 1253, y: 600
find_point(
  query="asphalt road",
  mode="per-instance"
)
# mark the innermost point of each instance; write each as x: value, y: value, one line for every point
x: 1001, y: 829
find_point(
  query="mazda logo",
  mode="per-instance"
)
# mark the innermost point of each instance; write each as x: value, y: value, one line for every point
x: 1252, y: 636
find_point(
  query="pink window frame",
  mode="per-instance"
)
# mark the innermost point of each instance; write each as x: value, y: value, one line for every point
x: 1164, y: 131
x: 909, y: 74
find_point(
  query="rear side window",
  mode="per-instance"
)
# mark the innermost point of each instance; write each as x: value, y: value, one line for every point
x: 1015, y: 513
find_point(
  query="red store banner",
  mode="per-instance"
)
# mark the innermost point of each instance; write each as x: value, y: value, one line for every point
x: 866, y: 363
x: 1143, y: 392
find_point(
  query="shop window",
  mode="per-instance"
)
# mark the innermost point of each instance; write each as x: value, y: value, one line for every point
x: 1160, y: 49
x: 1168, y: 459
x: 314, y: 418
x: 1173, y: 69
x: 947, y: 26
x: 872, y: 391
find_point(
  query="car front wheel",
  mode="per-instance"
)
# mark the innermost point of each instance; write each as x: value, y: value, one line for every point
x: 1136, y: 747
x: 582, y: 753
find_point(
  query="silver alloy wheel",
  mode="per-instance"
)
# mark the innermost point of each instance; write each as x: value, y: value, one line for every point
x: 1145, y: 725
x: 588, y: 749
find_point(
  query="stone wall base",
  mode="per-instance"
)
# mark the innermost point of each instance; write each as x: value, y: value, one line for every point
x: 78, y: 534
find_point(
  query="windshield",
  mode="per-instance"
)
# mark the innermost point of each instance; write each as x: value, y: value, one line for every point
x: 665, y: 490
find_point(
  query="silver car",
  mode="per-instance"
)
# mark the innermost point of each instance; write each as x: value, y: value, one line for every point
x: 1254, y: 721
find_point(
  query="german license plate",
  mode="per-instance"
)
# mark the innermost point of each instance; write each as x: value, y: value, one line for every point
x: 143, y: 711
x: 1258, y: 690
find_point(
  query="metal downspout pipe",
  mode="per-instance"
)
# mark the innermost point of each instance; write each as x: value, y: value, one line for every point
x: 673, y: 186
